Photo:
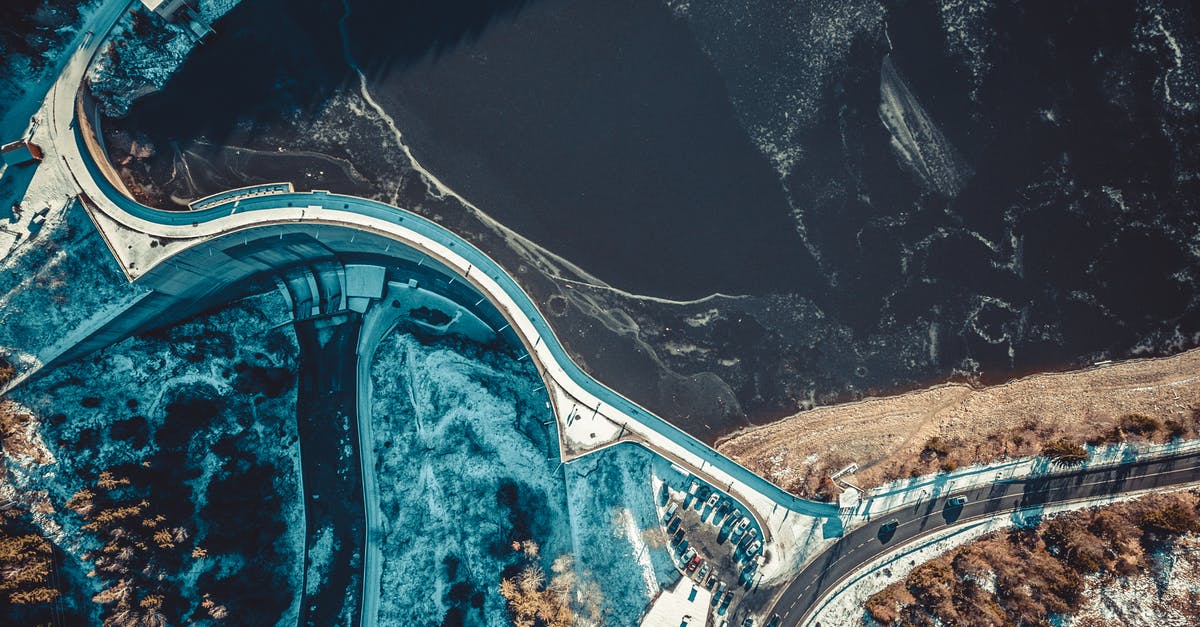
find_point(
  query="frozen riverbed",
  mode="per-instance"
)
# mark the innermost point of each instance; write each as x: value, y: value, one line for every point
x: 467, y: 460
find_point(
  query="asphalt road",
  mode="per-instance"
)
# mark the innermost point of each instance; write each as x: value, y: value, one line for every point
x: 333, y: 499
x: 1006, y: 497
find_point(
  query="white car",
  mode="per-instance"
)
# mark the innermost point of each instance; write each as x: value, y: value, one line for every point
x: 713, y: 500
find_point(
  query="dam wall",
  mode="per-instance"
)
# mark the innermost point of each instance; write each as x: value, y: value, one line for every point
x: 222, y: 269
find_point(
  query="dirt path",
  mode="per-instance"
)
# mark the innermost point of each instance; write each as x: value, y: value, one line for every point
x: 886, y: 436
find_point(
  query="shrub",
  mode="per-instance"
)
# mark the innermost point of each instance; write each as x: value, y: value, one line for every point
x: 1065, y: 452
x: 7, y: 371
x: 885, y: 606
x: 1173, y: 519
x: 931, y: 582
x: 1139, y: 424
x: 935, y: 447
x: 828, y: 491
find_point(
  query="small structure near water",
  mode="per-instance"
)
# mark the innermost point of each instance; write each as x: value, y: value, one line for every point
x: 181, y: 12
x: 21, y: 152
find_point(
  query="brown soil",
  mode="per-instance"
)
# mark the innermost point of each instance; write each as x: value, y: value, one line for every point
x: 949, y: 425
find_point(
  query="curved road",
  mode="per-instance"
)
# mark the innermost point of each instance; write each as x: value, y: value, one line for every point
x: 358, y: 213
x: 126, y: 224
x: 463, y: 259
x: 809, y: 592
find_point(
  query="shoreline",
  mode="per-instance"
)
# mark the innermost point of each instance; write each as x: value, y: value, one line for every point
x: 889, y: 437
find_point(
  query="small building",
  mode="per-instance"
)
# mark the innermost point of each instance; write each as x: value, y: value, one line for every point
x: 21, y: 152
x: 165, y: 8
x: 181, y: 12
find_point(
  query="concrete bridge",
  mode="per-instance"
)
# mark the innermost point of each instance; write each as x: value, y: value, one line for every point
x: 329, y: 254
x: 338, y: 258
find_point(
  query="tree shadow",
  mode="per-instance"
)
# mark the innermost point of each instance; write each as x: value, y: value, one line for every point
x: 14, y: 182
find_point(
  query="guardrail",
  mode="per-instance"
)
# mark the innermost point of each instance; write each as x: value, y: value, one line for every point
x: 250, y: 191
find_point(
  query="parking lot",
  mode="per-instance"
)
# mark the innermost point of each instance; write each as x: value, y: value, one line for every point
x: 713, y: 540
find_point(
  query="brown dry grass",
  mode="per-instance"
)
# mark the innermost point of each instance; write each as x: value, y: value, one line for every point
x: 950, y: 425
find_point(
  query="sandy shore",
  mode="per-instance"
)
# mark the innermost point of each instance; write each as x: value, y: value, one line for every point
x: 886, y: 436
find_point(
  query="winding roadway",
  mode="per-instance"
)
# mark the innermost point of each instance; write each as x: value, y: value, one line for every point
x: 456, y: 254
x: 842, y: 563
x: 143, y: 239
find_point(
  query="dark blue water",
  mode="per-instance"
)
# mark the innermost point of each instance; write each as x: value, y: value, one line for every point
x: 682, y: 150
x: 599, y: 130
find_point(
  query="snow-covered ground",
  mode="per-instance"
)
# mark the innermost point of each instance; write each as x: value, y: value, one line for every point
x: 1168, y: 595
x: 132, y: 66
x: 210, y: 404
x: 686, y: 599
x: 56, y: 286
x: 467, y: 463
x: 615, y: 527
x: 25, y: 79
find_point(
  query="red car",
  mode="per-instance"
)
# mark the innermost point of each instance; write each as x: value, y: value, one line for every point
x: 694, y: 563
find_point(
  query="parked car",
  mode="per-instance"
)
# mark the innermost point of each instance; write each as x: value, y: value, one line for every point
x: 713, y: 579
x: 738, y: 531
x: 713, y: 500
x: 720, y: 590
x: 695, y: 485
x: 725, y: 603
x: 702, y: 495
x: 684, y: 547
x: 689, y: 555
x: 671, y: 511
x: 749, y: 537
x: 723, y: 508
x: 694, y: 562
x: 733, y: 517
x: 674, y: 524
x: 774, y: 621
x: 677, y: 538
x: 753, y: 549
x: 701, y: 572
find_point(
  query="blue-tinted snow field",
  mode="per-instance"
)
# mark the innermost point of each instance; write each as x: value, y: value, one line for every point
x: 467, y: 461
